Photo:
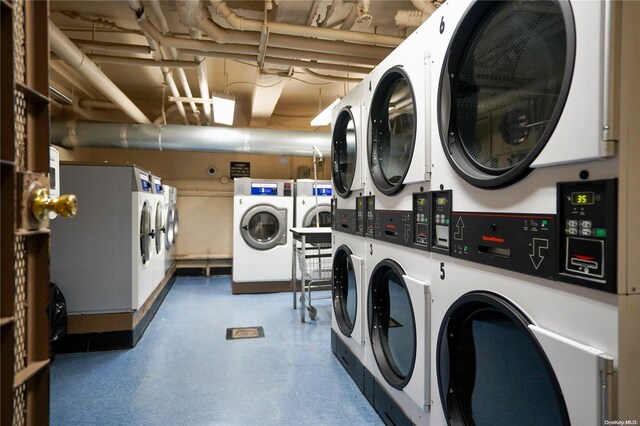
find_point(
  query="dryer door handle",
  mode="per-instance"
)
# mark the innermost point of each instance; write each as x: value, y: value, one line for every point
x: 152, y: 234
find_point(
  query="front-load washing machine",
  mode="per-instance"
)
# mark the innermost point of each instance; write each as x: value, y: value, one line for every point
x: 398, y: 317
x: 348, y: 319
x: 347, y: 159
x: 102, y: 260
x: 262, y: 247
x: 508, y: 347
x: 308, y: 214
x: 159, y: 229
x: 170, y: 220
x: 523, y: 203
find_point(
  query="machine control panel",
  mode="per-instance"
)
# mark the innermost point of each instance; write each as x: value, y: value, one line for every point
x: 145, y: 182
x: 370, y: 208
x: 322, y: 190
x: 524, y: 243
x: 588, y: 235
x: 421, y: 220
x: 440, y: 236
x: 360, y: 215
x: 394, y: 226
x: 334, y: 213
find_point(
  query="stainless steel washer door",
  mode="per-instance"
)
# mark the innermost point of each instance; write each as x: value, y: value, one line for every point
x: 160, y: 227
x: 169, y: 225
x: 264, y: 227
x: 145, y: 232
x: 324, y: 213
x: 176, y: 224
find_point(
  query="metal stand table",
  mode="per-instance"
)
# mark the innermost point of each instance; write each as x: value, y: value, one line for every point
x: 316, y: 239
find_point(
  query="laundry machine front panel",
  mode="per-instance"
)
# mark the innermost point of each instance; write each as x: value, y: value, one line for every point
x: 264, y: 226
x: 581, y: 325
x: 349, y: 292
x: 398, y: 98
x: 512, y: 97
x: 398, y: 314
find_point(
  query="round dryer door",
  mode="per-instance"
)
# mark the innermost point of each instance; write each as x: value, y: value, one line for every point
x: 503, y: 86
x: 392, y: 131
x: 160, y: 227
x: 310, y: 219
x: 392, y: 325
x: 168, y: 240
x: 264, y: 227
x: 491, y: 368
x: 344, y: 153
x: 345, y: 293
x: 145, y: 232
x: 176, y: 224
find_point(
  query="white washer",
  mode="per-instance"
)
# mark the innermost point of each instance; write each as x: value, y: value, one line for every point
x: 306, y: 208
x: 101, y: 260
x: 307, y: 213
x: 262, y: 217
x: 398, y: 299
x: 347, y: 158
x: 170, y: 227
x: 521, y: 211
x: 398, y: 124
x: 158, y: 221
x: 348, y: 321
x: 508, y: 346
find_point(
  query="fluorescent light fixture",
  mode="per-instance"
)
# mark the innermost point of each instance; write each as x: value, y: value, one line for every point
x: 324, y: 117
x: 223, y: 108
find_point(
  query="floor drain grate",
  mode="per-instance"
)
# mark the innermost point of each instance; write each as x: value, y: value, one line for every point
x: 244, y: 333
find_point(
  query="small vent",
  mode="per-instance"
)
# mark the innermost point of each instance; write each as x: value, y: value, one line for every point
x: 244, y: 333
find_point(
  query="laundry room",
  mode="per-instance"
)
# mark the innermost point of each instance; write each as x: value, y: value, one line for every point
x: 229, y: 212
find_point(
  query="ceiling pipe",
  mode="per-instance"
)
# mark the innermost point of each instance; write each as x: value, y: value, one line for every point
x: 170, y: 110
x: 332, y: 77
x: 350, y: 20
x: 317, y: 65
x: 414, y: 18
x: 111, y: 47
x: 168, y: 77
x: 275, y: 41
x: 70, y: 54
x: 240, y: 23
x: 203, y: 82
x: 182, y: 76
x: 96, y: 104
x: 171, y: 137
x: 141, y: 62
x: 193, y: 15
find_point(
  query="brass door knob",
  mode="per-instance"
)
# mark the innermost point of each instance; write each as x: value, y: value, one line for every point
x: 42, y: 204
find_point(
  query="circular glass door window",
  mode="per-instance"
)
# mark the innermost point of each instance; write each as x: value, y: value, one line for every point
x: 344, y: 152
x: 392, y: 325
x: 392, y: 131
x: 159, y: 227
x: 324, y: 213
x: 345, y: 292
x: 145, y: 232
x: 264, y: 227
x: 503, y: 87
x: 491, y: 368
x: 169, y: 227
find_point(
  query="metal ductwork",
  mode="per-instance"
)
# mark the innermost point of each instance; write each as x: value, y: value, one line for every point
x: 171, y: 137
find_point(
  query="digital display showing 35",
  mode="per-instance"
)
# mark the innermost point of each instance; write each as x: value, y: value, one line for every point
x: 582, y: 198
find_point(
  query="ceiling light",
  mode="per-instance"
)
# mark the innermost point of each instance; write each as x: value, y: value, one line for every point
x: 324, y: 117
x: 223, y: 108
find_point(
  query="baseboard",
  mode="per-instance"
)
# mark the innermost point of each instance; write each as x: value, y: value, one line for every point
x: 204, y: 271
x: 90, y: 341
x: 260, y: 287
x: 390, y: 413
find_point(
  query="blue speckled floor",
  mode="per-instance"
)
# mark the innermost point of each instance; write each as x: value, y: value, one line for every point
x: 184, y: 372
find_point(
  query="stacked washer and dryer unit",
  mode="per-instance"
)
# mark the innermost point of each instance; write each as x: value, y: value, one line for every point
x: 489, y: 219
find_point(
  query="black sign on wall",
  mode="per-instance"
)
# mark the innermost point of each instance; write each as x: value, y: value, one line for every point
x: 239, y: 169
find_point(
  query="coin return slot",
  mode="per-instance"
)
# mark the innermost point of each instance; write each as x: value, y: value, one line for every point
x: 495, y: 251
x: 391, y: 233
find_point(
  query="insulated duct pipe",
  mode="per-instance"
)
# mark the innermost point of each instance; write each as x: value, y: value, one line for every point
x: 72, y: 56
x: 243, y: 24
x: 171, y: 137
x: 111, y: 47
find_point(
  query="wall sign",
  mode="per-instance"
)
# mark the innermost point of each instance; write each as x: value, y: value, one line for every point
x: 239, y: 169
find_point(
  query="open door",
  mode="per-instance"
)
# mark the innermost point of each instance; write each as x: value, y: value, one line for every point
x: 26, y: 202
